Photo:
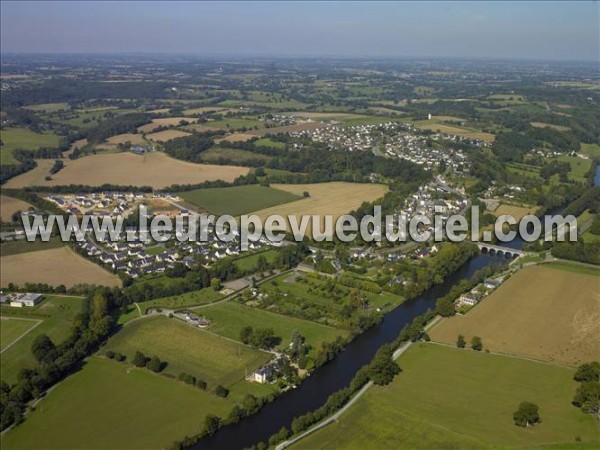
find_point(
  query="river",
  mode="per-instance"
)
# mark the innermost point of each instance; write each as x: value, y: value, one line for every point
x: 336, y: 374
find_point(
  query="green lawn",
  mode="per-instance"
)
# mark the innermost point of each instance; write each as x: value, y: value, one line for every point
x: 235, y: 155
x: 579, y: 167
x: 586, y: 270
x: 24, y: 246
x: 188, y: 349
x: 237, y: 200
x: 248, y: 263
x: 13, y: 138
x: 156, y: 250
x: 109, y: 405
x: 266, y: 142
x: 193, y: 298
x: 57, y: 314
x: 592, y: 150
x: 230, y: 317
x: 11, y: 328
x: 450, y: 398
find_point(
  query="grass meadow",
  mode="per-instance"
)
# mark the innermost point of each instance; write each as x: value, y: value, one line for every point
x: 458, y: 399
x: 237, y: 200
x: 12, y: 328
x: 188, y: 349
x: 13, y: 138
x: 109, y: 405
x: 56, y: 314
x: 230, y: 317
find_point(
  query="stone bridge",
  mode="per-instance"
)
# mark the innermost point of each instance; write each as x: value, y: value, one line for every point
x: 500, y: 250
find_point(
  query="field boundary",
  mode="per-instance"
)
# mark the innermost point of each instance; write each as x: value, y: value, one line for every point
x: 37, y: 322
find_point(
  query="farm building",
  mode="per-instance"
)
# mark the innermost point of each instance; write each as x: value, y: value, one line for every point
x: 262, y: 375
x: 20, y: 300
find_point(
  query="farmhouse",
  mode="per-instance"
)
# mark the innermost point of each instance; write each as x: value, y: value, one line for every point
x: 20, y: 300
x: 262, y: 375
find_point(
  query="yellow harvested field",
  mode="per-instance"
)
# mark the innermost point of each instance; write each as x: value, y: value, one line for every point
x: 335, y: 199
x: 549, y: 125
x: 163, y: 122
x: 9, y: 206
x: 54, y: 267
x: 200, y: 127
x: 541, y: 312
x: 450, y: 129
x: 166, y: 135
x: 154, y: 169
x: 236, y: 137
x: 160, y: 111
x: 135, y: 139
x: 35, y: 177
x: 518, y: 212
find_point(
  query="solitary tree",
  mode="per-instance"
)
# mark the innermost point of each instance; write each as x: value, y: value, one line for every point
x: 527, y: 414
x: 476, y: 343
x: 139, y: 359
x: 246, y: 334
x: 460, y: 342
x: 220, y: 391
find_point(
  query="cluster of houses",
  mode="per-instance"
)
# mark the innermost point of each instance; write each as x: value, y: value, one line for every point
x: 435, y: 198
x: 478, y: 293
x: 136, y: 257
x: 19, y: 300
x: 398, y: 140
x: 105, y: 204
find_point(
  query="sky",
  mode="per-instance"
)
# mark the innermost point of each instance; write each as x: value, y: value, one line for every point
x: 525, y: 30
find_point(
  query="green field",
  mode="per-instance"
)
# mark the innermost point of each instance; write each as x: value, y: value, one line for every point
x: 235, y: 155
x: 188, y: 349
x: 57, y: 314
x: 236, y: 123
x: 193, y: 298
x: 24, y: 246
x: 592, y: 150
x: 48, y: 107
x: 248, y: 263
x: 12, y: 328
x: 13, y: 138
x: 579, y: 167
x: 454, y: 399
x: 266, y: 142
x: 109, y: 405
x: 229, y: 318
x: 238, y: 199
